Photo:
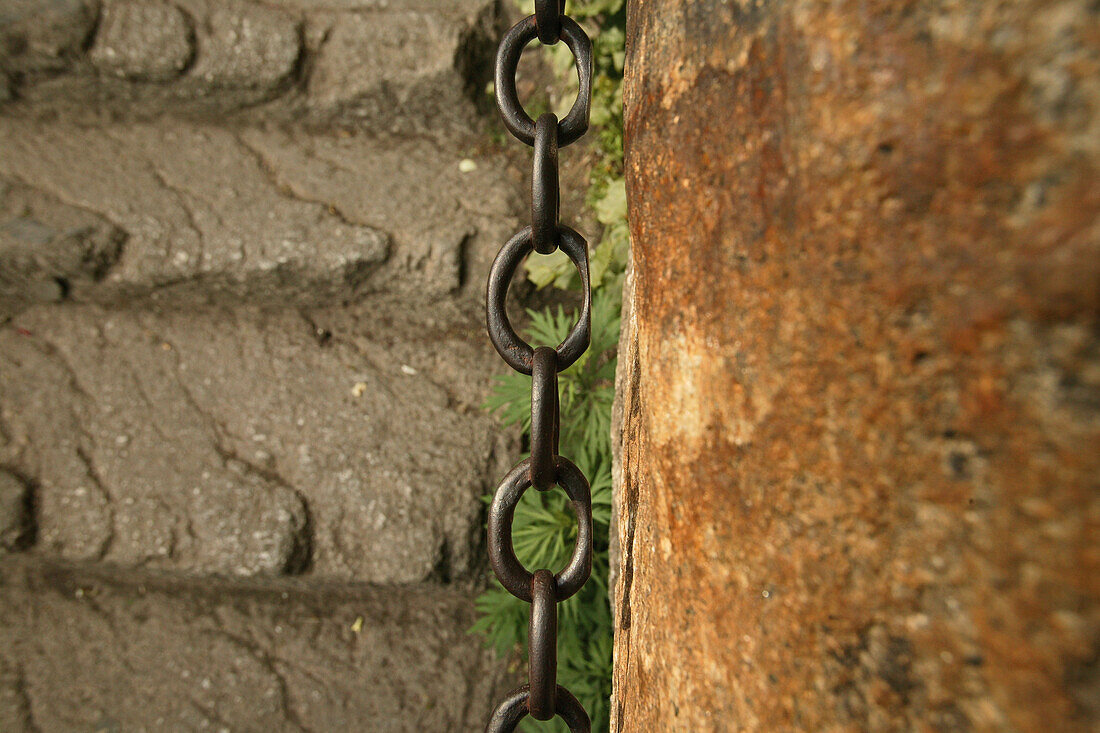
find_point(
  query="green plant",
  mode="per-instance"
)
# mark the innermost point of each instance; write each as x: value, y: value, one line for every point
x: 544, y: 528
x: 606, y: 22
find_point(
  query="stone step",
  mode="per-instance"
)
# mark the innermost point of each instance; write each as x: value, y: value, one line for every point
x: 186, y: 212
x: 82, y: 650
x: 393, y: 65
x: 343, y: 443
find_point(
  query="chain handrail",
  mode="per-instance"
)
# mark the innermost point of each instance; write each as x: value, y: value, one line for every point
x: 541, y: 698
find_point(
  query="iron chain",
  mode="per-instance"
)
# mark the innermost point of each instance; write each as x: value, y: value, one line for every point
x: 541, y: 698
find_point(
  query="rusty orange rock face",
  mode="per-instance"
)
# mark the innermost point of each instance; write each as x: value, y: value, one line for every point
x: 860, y: 376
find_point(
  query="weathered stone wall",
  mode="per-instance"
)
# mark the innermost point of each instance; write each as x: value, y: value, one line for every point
x: 860, y: 484
x: 242, y: 254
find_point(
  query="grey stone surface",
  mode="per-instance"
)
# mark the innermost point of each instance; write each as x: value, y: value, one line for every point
x: 446, y: 225
x: 16, y: 520
x: 143, y: 40
x: 133, y: 497
x: 43, y: 35
x: 50, y: 251
x: 244, y: 45
x: 243, y: 248
x: 80, y: 650
x: 14, y: 715
x: 308, y: 218
x: 221, y: 227
x: 366, y: 53
x: 402, y: 66
x: 237, y: 442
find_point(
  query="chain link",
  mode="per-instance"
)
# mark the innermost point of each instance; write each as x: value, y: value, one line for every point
x: 542, y: 698
x: 548, y: 20
x: 518, y: 353
x: 542, y: 645
x: 545, y: 417
x: 518, y: 122
x: 545, y: 203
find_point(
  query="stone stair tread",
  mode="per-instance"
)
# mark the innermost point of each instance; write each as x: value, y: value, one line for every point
x: 84, y: 651
x: 252, y: 442
x: 243, y: 448
x: 194, y: 211
x: 399, y: 65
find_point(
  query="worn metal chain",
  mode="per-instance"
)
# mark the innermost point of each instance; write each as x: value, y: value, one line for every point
x: 542, y: 697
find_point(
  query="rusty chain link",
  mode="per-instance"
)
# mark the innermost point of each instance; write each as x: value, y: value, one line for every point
x: 541, y: 698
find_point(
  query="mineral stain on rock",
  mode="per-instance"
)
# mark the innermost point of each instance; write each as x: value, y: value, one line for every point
x: 859, y: 374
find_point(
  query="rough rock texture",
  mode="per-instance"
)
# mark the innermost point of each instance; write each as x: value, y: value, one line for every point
x: 243, y: 248
x: 246, y: 46
x: 283, y: 216
x: 860, y: 483
x: 401, y: 65
x: 16, y: 512
x: 232, y: 441
x: 43, y: 36
x: 48, y: 250
x: 86, y: 651
x: 150, y: 41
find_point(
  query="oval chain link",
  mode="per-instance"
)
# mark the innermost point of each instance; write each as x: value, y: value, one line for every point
x: 518, y: 122
x: 542, y: 645
x: 545, y: 417
x: 545, y: 201
x: 518, y: 353
x: 502, y: 555
x: 542, y: 698
x: 548, y: 20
